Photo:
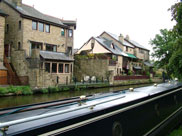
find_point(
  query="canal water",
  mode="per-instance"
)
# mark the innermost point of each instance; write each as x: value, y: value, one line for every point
x: 12, y: 101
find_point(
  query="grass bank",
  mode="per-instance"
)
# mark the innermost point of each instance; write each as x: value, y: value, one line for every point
x: 177, y: 132
x: 26, y: 90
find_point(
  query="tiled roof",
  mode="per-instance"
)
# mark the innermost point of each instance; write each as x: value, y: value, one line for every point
x: 117, y: 38
x: 136, y: 44
x: 28, y: 11
x: 55, y: 56
x: 107, y: 44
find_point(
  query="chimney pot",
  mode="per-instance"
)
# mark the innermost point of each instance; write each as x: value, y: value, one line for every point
x: 127, y: 37
x: 121, y: 38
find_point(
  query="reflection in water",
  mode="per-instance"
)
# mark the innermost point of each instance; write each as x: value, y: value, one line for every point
x: 12, y: 101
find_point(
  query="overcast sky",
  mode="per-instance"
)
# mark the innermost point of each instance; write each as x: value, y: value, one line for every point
x: 140, y: 19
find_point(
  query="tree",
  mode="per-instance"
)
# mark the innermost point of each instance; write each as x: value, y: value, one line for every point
x: 175, y: 61
x: 167, y: 45
x: 163, y: 48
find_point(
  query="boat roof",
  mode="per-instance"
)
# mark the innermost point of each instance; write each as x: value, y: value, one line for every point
x: 73, y: 110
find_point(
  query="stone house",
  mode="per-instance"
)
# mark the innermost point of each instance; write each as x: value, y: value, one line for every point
x: 38, y: 46
x: 3, y: 70
x: 112, y: 53
x: 138, y: 53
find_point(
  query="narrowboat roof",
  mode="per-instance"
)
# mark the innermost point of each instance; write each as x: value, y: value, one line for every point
x: 73, y: 110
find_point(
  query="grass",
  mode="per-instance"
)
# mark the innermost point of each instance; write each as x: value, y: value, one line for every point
x: 16, y: 90
x: 177, y: 132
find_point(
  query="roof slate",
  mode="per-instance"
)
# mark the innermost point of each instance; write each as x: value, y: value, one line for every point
x: 32, y: 12
x: 55, y: 56
x: 136, y: 44
x: 107, y: 44
x: 117, y: 38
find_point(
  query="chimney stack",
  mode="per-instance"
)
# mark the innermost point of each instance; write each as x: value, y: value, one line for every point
x: 121, y: 38
x: 127, y: 37
x: 18, y: 3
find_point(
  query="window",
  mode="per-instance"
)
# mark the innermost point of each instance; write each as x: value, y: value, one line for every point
x: 141, y: 51
x: 126, y: 48
x: 54, y: 67
x: 69, y: 50
x: 50, y: 47
x: 36, y: 45
x: 71, y: 69
x: 60, y: 68
x: 70, y: 33
x: 41, y: 27
x: 19, y: 46
x: 47, y: 28
x: 62, y: 32
x: 7, y: 28
x: 34, y: 25
x: 66, y: 68
x: 19, y: 25
x: 47, y: 67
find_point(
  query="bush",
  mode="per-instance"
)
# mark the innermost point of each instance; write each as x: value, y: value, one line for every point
x: 53, y: 89
x: 44, y: 91
x: 26, y: 90
x: 3, y: 91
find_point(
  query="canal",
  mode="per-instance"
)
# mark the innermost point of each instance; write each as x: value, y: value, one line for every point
x: 12, y: 101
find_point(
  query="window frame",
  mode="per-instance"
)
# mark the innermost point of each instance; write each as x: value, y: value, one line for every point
x: 67, y: 70
x: 63, y: 32
x: 49, y: 45
x: 53, y: 70
x: 40, y: 23
x: 48, y: 28
x: 70, y: 30
x: 49, y: 71
x: 19, y: 25
x: 36, y: 24
x: 59, y: 70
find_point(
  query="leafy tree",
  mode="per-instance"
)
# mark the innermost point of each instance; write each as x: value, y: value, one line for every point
x: 175, y: 61
x: 163, y: 48
x: 167, y: 45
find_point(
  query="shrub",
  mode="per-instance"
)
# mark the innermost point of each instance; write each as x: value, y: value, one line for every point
x: 44, y: 91
x: 3, y: 91
x: 26, y: 90
x: 53, y: 89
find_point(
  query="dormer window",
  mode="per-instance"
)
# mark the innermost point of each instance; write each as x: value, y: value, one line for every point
x: 112, y: 46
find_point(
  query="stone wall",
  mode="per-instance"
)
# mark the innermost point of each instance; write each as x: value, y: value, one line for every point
x: 37, y: 76
x: 91, y: 67
x: 14, y: 35
x: 2, y: 32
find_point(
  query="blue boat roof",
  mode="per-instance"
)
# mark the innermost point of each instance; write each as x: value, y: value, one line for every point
x: 73, y: 110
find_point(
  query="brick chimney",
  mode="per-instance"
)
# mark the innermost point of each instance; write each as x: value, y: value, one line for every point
x: 17, y: 2
x: 121, y: 38
x: 127, y: 37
